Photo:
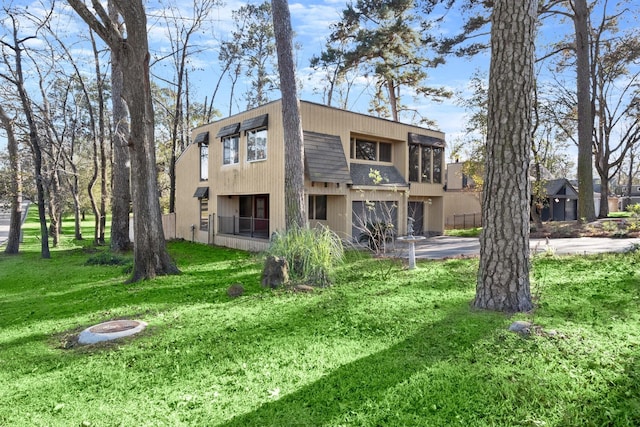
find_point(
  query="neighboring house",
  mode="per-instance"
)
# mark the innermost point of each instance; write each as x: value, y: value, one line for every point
x: 561, y: 202
x: 461, y: 202
x: 230, y: 180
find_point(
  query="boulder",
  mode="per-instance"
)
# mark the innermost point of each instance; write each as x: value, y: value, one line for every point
x: 276, y: 272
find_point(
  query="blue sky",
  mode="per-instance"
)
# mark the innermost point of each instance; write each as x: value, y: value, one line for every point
x: 311, y: 23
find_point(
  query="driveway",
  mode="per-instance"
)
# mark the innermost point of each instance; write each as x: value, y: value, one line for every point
x: 440, y: 247
x: 5, y: 220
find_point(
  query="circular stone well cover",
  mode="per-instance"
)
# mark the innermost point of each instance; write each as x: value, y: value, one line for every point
x: 111, y: 330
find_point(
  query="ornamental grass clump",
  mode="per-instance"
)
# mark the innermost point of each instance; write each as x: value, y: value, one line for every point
x: 312, y: 253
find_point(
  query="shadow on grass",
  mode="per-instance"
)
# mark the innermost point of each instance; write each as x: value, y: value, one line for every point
x: 352, y: 388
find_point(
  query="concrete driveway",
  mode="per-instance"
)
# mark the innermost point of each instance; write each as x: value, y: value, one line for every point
x: 440, y: 247
x: 5, y: 220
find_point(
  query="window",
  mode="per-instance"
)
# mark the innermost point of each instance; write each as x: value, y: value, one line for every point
x: 365, y: 150
x: 204, y: 213
x: 204, y: 162
x: 437, y: 165
x: 425, y: 163
x: 256, y: 145
x: 371, y: 150
x: 384, y: 152
x: 414, y: 163
x: 318, y: 207
x: 230, y: 149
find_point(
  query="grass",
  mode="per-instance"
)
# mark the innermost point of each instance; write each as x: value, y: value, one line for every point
x: 465, y: 232
x: 372, y: 350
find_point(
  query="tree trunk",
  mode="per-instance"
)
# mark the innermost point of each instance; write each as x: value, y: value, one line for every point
x: 34, y: 141
x: 604, y: 197
x: 15, y: 221
x: 586, y: 208
x: 120, y: 169
x: 150, y: 251
x: 294, y: 149
x: 503, y: 274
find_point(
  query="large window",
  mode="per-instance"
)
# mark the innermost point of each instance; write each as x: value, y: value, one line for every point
x: 425, y: 164
x: 204, y: 213
x: 230, y: 149
x: 256, y: 145
x: 370, y: 150
x: 204, y: 162
x: 318, y: 207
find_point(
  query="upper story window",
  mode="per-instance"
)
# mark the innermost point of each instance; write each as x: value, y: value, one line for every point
x: 374, y: 151
x: 256, y: 131
x: 202, y: 139
x: 229, y: 135
x: 204, y: 162
x: 425, y: 159
x: 230, y: 150
x: 256, y: 145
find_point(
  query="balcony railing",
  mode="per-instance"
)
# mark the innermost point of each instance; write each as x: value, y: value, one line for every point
x: 257, y: 228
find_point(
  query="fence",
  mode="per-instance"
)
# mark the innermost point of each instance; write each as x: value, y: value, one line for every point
x: 464, y: 221
x: 169, y: 225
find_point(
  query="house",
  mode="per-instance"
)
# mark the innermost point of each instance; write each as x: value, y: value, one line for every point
x: 561, y: 201
x: 358, y: 170
x: 461, y: 200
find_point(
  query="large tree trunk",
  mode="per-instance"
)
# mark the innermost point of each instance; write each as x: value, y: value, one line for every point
x: 586, y: 208
x: 15, y: 221
x: 120, y: 169
x: 503, y: 274
x: 150, y: 251
x: 294, y: 149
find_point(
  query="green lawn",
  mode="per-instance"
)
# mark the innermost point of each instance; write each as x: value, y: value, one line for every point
x: 384, y: 346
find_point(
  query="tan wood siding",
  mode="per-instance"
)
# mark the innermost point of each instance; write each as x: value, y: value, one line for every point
x: 267, y: 176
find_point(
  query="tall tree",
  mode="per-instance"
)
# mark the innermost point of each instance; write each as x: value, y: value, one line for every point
x: 586, y: 207
x: 15, y: 220
x: 380, y: 38
x: 617, y: 107
x: 503, y: 273
x: 292, y: 123
x: 181, y: 31
x: 255, y: 36
x: 120, y: 167
x: 16, y: 77
x: 132, y: 50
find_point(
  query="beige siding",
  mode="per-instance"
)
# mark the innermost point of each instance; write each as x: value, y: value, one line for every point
x: 461, y: 203
x: 454, y: 176
x: 187, y: 206
x: 267, y: 177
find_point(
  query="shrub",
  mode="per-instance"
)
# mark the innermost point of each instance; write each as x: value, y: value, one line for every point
x: 634, y: 223
x: 376, y: 234
x: 311, y: 253
x: 107, y: 258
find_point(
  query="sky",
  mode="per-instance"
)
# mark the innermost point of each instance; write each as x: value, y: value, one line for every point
x: 311, y: 22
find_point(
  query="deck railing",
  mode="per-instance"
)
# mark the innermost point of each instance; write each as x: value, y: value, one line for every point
x: 257, y: 228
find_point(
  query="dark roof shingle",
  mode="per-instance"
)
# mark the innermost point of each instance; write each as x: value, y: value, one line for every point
x: 324, y: 158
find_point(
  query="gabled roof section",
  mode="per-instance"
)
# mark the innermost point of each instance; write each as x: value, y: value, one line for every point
x: 324, y: 158
x: 390, y: 175
x: 560, y: 187
x: 255, y: 122
x: 202, y: 193
x: 227, y: 130
x: 431, y: 141
x: 202, y: 138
